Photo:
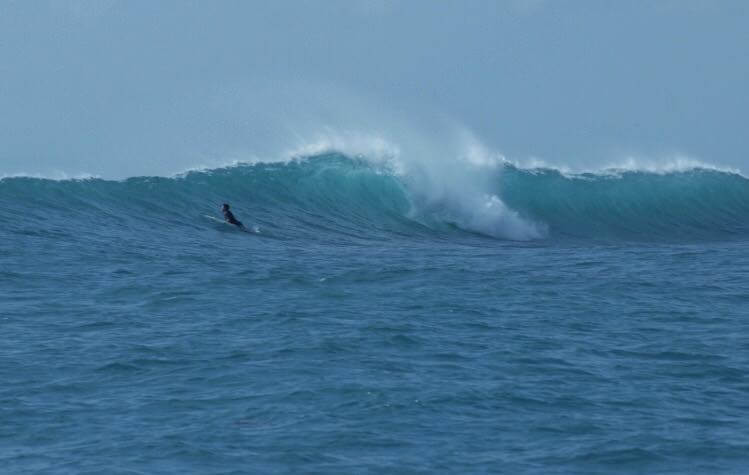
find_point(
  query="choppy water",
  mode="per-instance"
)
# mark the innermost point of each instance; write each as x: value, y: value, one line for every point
x: 524, y: 321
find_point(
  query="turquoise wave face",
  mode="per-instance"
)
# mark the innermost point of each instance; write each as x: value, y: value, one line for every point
x: 692, y: 204
x: 333, y: 196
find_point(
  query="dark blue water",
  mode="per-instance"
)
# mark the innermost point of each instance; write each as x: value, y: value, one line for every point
x: 370, y: 324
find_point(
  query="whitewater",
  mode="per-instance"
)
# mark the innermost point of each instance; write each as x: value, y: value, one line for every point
x: 385, y: 314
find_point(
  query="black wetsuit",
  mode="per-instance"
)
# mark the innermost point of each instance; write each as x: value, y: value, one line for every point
x: 229, y: 217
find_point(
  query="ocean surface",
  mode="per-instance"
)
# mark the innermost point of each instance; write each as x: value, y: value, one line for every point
x: 375, y: 318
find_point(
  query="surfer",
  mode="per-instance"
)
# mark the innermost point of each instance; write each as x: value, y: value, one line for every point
x: 229, y: 216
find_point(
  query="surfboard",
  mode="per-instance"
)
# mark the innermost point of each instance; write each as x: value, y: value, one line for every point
x: 252, y: 230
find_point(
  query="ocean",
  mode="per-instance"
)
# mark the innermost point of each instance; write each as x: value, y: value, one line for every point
x: 376, y: 317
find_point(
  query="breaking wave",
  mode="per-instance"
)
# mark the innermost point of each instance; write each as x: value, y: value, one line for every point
x: 331, y: 195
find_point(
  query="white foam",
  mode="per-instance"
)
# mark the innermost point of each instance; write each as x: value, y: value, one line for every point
x: 462, y: 182
x: 658, y: 166
x: 489, y: 215
x: 665, y: 166
x: 54, y: 176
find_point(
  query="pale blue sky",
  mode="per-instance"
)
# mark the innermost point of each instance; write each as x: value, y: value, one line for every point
x: 119, y: 88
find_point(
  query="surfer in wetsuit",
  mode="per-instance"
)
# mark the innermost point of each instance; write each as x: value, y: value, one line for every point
x: 229, y: 216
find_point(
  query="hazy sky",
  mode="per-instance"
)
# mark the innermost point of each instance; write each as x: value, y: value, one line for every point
x: 117, y: 88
